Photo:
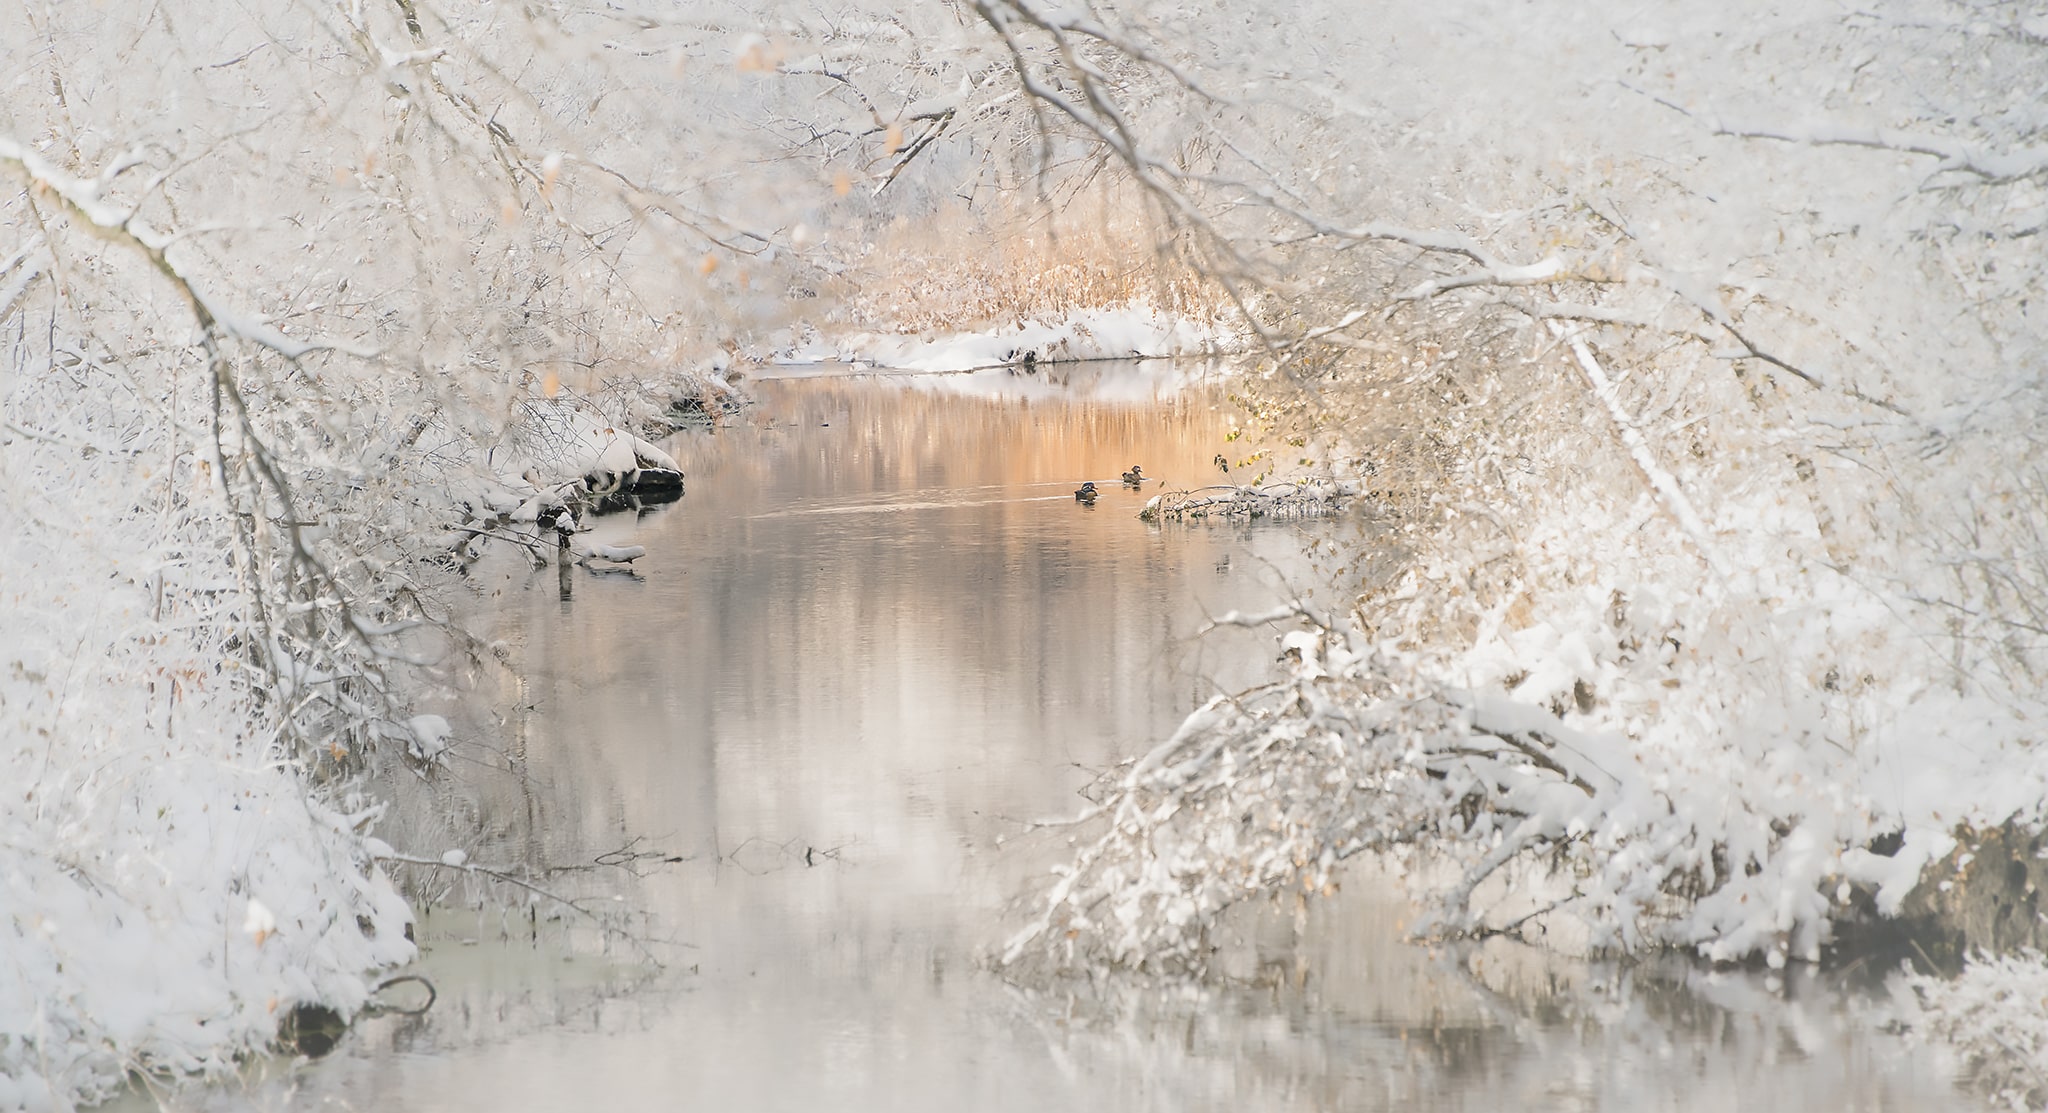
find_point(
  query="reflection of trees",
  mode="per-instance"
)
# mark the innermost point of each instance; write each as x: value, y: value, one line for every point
x: 1332, y: 1009
x: 1641, y: 1038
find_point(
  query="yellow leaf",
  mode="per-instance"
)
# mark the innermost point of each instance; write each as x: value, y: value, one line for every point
x: 550, y: 383
x: 758, y: 55
x: 893, y: 139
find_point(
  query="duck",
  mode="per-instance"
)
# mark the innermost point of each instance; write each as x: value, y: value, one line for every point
x: 1135, y: 477
x: 1086, y: 495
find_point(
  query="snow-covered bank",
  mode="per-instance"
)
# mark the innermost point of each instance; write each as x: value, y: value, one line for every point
x: 187, y: 852
x: 1106, y: 332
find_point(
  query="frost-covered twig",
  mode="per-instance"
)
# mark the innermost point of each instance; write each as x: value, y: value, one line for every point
x: 1993, y: 167
x: 124, y: 226
x: 457, y: 862
x: 1100, y: 115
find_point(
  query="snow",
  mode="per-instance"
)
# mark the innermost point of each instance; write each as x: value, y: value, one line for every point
x: 260, y: 922
x: 139, y: 880
x: 617, y: 554
x: 429, y: 736
x: 557, y: 441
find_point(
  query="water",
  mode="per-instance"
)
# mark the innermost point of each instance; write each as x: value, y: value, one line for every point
x: 876, y: 639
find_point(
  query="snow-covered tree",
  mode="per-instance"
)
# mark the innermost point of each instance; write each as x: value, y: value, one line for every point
x: 1696, y: 356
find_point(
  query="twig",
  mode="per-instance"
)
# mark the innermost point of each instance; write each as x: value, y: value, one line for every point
x: 378, y: 1009
x: 495, y: 873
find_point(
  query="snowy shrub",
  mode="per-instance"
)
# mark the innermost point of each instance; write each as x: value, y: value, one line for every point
x: 1697, y: 381
x: 1258, y: 793
x: 169, y: 887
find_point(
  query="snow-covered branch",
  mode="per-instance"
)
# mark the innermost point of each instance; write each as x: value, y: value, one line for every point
x: 123, y: 225
x: 1547, y: 271
x: 1669, y: 494
x: 1994, y: 167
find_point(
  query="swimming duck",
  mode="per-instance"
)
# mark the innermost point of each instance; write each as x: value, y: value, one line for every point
x: 1134, y: 477
x: 1086, y: 495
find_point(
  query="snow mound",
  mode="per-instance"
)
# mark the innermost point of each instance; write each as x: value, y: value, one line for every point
x: 168, y: 891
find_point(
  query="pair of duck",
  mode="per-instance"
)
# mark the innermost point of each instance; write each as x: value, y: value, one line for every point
x: 1133, y: 478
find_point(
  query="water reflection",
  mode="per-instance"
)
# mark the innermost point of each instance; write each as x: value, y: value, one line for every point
x: 876, y: 638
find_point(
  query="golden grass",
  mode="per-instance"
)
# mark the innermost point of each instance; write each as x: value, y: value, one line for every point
x: 962, y: 269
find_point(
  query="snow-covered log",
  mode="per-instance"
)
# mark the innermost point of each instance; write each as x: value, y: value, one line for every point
x: 1306, y: 498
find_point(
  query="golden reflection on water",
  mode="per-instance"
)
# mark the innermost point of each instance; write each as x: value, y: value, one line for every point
x: 879, y: 627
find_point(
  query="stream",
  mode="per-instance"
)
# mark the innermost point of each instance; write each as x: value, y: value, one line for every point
x: 804, y: 745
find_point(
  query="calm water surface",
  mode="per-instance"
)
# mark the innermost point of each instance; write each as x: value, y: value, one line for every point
x: 876, y: 639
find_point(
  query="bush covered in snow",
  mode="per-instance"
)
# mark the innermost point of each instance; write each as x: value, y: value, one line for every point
x: 170, y: 883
